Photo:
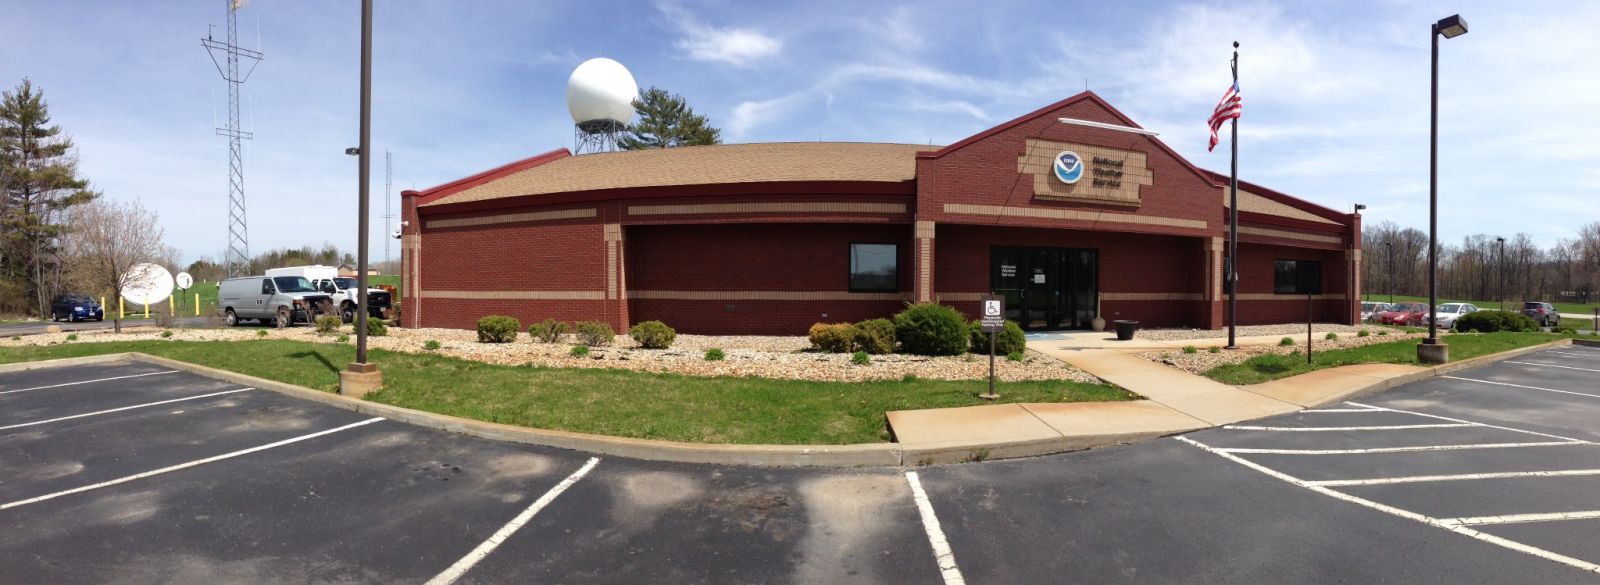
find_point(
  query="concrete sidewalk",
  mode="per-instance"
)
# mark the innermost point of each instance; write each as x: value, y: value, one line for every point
x: 1108, y: 340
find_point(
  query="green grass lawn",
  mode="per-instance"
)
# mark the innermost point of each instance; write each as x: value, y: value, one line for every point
x: 609, y: 402
x: 1263, y: 368
x: 1510, y: 305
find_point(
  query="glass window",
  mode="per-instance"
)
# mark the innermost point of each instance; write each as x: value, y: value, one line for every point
x: 874, y: 267
x: 293, y: 284
x: 1301, y: 277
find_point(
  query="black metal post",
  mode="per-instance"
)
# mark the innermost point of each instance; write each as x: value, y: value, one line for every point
x: 1433, y: 196
x: 1233, y: 221
x: 362, y: 174
x: 1502, y: 292
x: 992, y: 395
x: 1308, y: 328
x: 1390, y: 247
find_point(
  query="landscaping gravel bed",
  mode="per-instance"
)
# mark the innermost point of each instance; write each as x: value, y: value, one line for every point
x: 784, y: 357
x: 1203, y: 359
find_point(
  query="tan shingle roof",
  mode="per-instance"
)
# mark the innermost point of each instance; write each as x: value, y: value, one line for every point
x: 1254, y: 203
x: 706, y: 165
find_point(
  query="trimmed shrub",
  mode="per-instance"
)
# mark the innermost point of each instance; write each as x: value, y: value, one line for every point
x: 1286, y: 342
x: 1363, y: 333
x: 166, y: 334
x: 1190, y: 349
x: 1015, y: 356
x: 548, y: 330
x: 833, y: 337
x: 579, y: 351
x: 261, y: 333
x: 328, y: 323
x: 497, y: 329
x: 652, y: 335
x: 860, y: 358
x: 931, y: 329
x: 875, y: 336
x: 1383, y: 332
x: 1007, y: 341
x: 1331, y: 336
x: 595, y: 333
x: 343, y: 338
x: 715, y: 354
x: 431, y: 345
x: 1214, y: 349
x: 1492, y: 321
x: 377, y: 328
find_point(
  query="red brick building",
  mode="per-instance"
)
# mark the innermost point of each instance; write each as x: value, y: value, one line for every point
x: 1070, y: 211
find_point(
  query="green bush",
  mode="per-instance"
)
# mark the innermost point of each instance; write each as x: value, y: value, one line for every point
x: 832, y: 337
x: 166, y: 334
x: 1331, y: 336
x: 860, y: 358
x: 72, y: 337
x: 1286, y: 342
x: 431, y: 345
x: 595, y: 333
x: 343, y: 338
x: 579, y: 350
x: 1015, y: 356
x: 1190, y: 349
x: 377, y: 328
x: 1411, y: 330
x: 1214, y: 349
x: 497, y: 329
x: 652, y: 335
x: 875, y: 336
x: 1492, y: 321
x: 1006, y: 342
x: 931, y: 329
x: 1383, y: 332
x: 328, y: 323
x: 548, y: 330
x: 261, y: 333
x: 1363, y: 333
x: 714, y: 354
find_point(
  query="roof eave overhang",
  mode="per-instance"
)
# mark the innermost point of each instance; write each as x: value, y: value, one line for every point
x: 777, y: 188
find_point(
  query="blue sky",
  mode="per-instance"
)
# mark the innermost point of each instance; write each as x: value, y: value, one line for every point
x: 1335, y: 94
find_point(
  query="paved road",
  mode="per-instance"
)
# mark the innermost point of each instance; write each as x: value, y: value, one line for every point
x: 37, y: 327
x: 131, y: 473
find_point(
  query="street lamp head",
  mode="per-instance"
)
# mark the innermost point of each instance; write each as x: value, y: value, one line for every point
x: 353, y: 151
x: 1501, y: 240
x: 1451, y: 26
x: 1360, y: 207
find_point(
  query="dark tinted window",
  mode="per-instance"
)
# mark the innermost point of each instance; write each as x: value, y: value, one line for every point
x: 874, y: 267
x: 1297, y: 277
x: 293, y: 284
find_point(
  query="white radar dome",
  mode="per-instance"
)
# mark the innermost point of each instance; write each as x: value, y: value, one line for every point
x: 601, y: 90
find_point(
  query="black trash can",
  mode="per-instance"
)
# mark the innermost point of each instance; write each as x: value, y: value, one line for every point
x: 1125, y: 329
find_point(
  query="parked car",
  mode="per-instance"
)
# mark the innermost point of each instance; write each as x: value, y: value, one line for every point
x: 283, y: 300
x: 1544, y: 313
x: 341, y: 288
x: 1449, y: 312
x: 1406, y: 314
x: 1371, y: 310
x: 75, y: 308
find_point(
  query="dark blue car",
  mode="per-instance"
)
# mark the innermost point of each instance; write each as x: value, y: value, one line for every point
x: 75, y: 308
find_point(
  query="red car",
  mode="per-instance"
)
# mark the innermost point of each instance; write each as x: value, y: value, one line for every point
x: 1407, y: 314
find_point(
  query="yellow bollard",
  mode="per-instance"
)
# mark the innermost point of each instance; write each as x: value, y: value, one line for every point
x: 172, y: 307
x: 197, y: 304
x: 121, y: 314
x: 147, y: 308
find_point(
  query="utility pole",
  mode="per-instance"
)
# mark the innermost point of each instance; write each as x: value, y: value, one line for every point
x: 237, y: 257
x: 362, y: 376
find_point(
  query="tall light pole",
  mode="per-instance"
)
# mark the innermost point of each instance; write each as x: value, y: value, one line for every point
x: 1389, y: 246
x: 362, y: 376
x: 1501, y: 264
x: 1356, y: 269
x: 1431, y: 351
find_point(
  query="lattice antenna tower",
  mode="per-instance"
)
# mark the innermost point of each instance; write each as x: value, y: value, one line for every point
x: 388, y: 189
x: 238, y: 252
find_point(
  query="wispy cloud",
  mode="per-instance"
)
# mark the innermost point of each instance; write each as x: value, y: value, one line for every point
x: 737, y: 46
x: 749, y: 115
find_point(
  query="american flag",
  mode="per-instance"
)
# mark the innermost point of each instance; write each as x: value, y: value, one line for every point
x: 1227, y: 109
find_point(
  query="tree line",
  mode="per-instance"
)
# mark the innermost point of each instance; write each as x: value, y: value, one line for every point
x: 1482, y: 267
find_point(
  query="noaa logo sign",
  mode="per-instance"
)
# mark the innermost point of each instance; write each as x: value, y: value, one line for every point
x: 1069, y: 167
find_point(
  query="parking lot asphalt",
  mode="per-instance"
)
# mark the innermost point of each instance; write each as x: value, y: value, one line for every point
x: 130, y: 473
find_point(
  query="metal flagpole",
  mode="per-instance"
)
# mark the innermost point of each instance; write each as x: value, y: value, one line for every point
x: 1233, y: 220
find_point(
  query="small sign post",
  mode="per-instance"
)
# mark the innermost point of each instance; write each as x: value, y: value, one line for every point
x: 993, y: 321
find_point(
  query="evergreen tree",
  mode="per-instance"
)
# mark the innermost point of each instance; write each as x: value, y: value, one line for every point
x: 38, y: 181
x: 666, y: 120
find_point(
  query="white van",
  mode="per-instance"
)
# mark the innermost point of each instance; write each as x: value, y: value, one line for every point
x: 341, y: 288
x: 281, y: 300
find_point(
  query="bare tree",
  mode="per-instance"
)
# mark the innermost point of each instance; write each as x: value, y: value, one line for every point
x: 108, y: 238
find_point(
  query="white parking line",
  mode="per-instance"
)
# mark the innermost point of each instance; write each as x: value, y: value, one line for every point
x: 1475, y: 423
x: 1521, y: 386
x: 1457, y: 477
x: 1395, y: 449
x: 88, y: 382
x: 1409, y: 515
x: 1366, y: 428
x: 930, y: 524
x: 109, y: 411
x: 1318, y: 410
x: 1522, y: 518
x: 1552, y: 366
x: 179, y: 466
x: 1573, y: 353
x: 477, y: 554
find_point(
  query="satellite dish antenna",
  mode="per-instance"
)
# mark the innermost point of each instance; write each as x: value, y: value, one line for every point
x: 147, y: 284
x: 184, y: 281
x: 600, y: 97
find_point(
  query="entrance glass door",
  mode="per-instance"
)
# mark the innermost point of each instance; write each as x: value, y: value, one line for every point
x: 1046, y: 288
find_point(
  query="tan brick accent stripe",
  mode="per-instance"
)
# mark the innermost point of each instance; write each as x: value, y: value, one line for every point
x: 1151, y: 296
x: 516, y: 295
x: 765, y: 295
x: 611, y: 269
x: 960, y: 296
x: 925, y: 229
x: 790, y: 207
x: 613, y: 232
x: 1278, y: 297
x: 1095, y: 216
x: 1255, y: 231
x: 511, y: 218
x: 925, y: 268
x: 413, y: 243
